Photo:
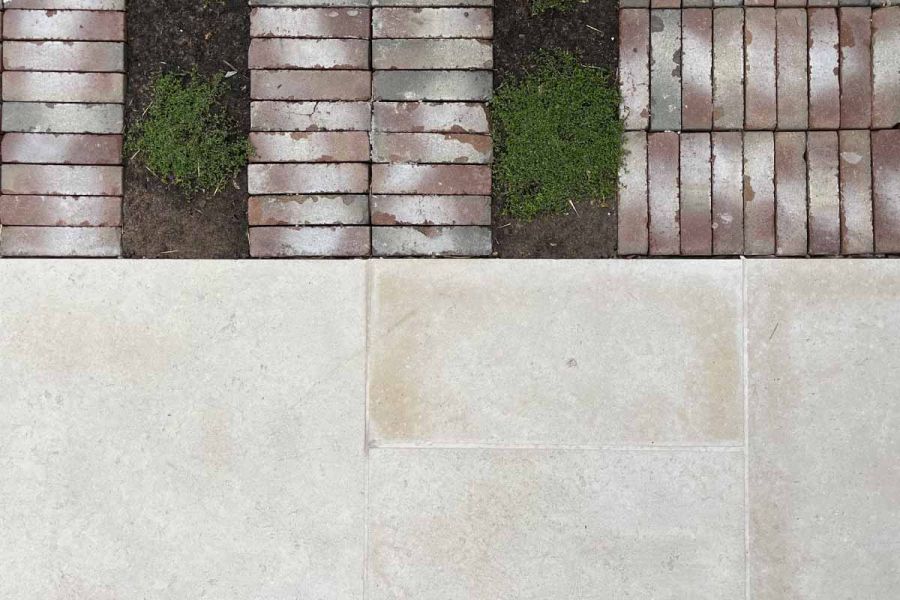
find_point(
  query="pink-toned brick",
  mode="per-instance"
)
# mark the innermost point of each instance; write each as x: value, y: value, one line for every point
x: 696, y: 194
x: 634, y: 67
x: 431, y: 210
x: 665, y: 3
x: 728, y: 68
x: 464, y: 180
x: 856, y: 192
x: 62, y: 211
x: 431, y: 241
x: 33, y: 86
x: 856, y: 67
x: 284, y: 53
x: 287, y: 242
x: 288, y: 22
x: 759, y: 42
x: 790, y: 193
x: 61, y: 180
x: 793, y: 109
x: 64, y: 56
x: 70, y: 25
x: 696, y: 83
x: 443, y: 117
x: 310, y: 146
x: 885, y: 74
x: 415, y: 22
x: 462, y: 148
x: 662, y: 169
x: 62, y: 149
x: 727, y: 193
x: 332, y: 178
x: 633, y: 215
x: 759, y: 193
x: 310, y: 85
x: 824, y: 87
x: 886, y: 190
x: 310, y: 116
x: 66, y: 4
x: 308, y: 210
x: 824, y: 194
x: 61, y: 241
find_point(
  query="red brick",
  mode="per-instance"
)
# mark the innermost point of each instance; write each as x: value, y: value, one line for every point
x: 275, y: 22
x: 886, y: 190
x: 27, y: 86
x: 308, y: 210
x: 62, y: 149
x: 727, y: 193
x: 662, y: 169
x: 728, y: 68
x: 64, y: 56
x: 665, y: 3
x: 310, y: 116
x: 61, y: 241
x: 759, y: 2
x: 330, y: 178
x: 63, y: 211
x: 759, y: 193
x: 310, y: 85
x: 824, y: 87
x: 443, y: 117
x: 824, y: 195
x: 856, y: 192
x: 287, y: 242
x: 696, y: 194
x: 432, y: 54
x: 431, y: 210
x: 790, y: 193
x: 310, y: 146
x: 414, y: 22
x: 71, y: 25
x: 62, y: 180
x: 885, y: 74
x: 696, y: 94
x: 282, y: 53
x: 461, y: 148
x: 464, y: 180
x: 856, y: 67
x: 634, y: 67
x: 632, y: 205
x: 431, y: 241
x: 67, y: 4
x: 760, y: 85
x: 793, y: 109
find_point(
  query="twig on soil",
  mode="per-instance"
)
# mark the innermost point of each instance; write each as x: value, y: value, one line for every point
x: 572, y: 204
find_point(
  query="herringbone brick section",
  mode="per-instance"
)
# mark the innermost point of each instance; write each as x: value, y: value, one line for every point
x: 63, y: 87
x: 371, y: 146
x: 768, y: 128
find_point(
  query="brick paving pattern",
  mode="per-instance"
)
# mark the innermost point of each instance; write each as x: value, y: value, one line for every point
x: 63, y: 87
x: 760, y: 128
x: 370, y: 128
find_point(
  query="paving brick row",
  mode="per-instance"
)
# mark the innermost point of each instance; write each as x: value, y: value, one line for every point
x: 791, y: 200
x: 310, y: 116
x: 309, y: 210
x: 696, y: 194
x: 634, y: 67
x: 430, y: 117
x: 61, y: 211
x: 624, y: 4
x: 310, y: 147
x: 791, y: 85
x: 886, y: 190
x: 273, y: 22
x: 293, y: 242
x: 665, y: 70
x: 633, y: 233
x: 857, y: 229
x: 885, y: 73
x: 67, y: 25
x: 727, y: 193
x: 824, y: 193
x: 62, y: 149
x: 414, y: 179
x: 474, y: 23
x: 63, y: 118
x: 61, y: 242
x: 443, y: 54
x: 94, y: 57
x: 283, y: 53
x: 431, y: 148
x: 308, y: 178
x: 431, y: 241
x: 433, y: 86
x: 728, y: 68
x: 310, y: 85
x: 431, y: 210
x: 90, y: 88
x: 696, y: 85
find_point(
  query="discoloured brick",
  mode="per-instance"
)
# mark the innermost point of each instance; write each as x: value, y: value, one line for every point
x: 308, y: 210
x: 759, y: 193
x: 64, y: 56
x: 792, y: 54
x: 416, y: 117
x: 431, y: 148
x: 432, y: 54
x: 298, y: 146
x: 61, y: 211
x: 61, y: 241
x: 856, y: 192
x: 287, y: 242
x: 697, y: 58
x: 431, y: 241
x: 759, y: 36
x: 310, y: 85
x: 824, y: 195
x: 275, y: 22
x: 432, y: 23
x: 824, y: 88
x: 727, y: 193
x: 66, y: 4
x: 430, y: 2
x: 27, y: 86
x: 790, y: 193
x: 62, y: 149
x: 61, y: 180
x: 665, y: 3
x: 665, y: 70
x: 662, y: 175
x: 345, y: 178
x: 62, y: 118
x: 632, y: 204
x: 856, y: 67
x: 283, y: 53
x: 885, y: 73
x: 72, y: 25
x: 696, y: 190
x: 634, y: 67
x: 310, y: 116
x: 461, y: 180
x: 728, y: 68
x: 886, y: 190
x: 431, y: 210
x: 434, y: 85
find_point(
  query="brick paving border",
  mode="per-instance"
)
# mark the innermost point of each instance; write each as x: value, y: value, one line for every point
x: 63, y: 88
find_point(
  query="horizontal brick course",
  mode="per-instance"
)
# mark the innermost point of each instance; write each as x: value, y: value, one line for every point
x: 62, y: 118
x: 329, y: 147
x: 431, y: 148
x: 432, y: 54
x: 310, y: 85
x: 64, y: 56
x: 287, y: 242
x: 310, y: 116
x: 432, y: 23
x: 431, y: 210
x: 275, y: 22
x: 446, y: 117
x: 298, y: 178
x: 281, y: 53
x: 465, y: 180
x: 433, y: 85
x: 61, y: 211
x: 308, y: 210
x: 431, y: 241
x: 61, y: 180
x: 62, y: 149
x: 73, y: 25
x: 28, y: 86
x: 61, y: 241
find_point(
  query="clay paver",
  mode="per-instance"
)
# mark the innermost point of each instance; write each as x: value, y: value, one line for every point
x: 824, y: 86
x: 886, y: 189
x: 632, y: 204
x: 308, y: 210
x: 727, y: 193
x: 760, y: 69
x: 696, y: 190
x: 431, y: 210
x: 634, y: 67
x: 792, y: 69
x: 431, y: 241
x: 728, y: 68
x: 286, y: 242
x: 759, y: 192
x: 856, y: 67
x: 665, y: 70
x: 885, y: 73
x: 856, y: 192
x: 697, y: 57
x: 61, y: 241
x: 662, y: 167
x: 790, y: 193
x: 824, y: 194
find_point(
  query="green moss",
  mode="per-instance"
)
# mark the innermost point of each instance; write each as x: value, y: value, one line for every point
x: 541, y: 6
x: 185, y: 136
x: 558, y: 137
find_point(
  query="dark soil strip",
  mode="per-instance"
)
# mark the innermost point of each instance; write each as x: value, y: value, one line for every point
x: 590, y: 31
x: 162, y: 221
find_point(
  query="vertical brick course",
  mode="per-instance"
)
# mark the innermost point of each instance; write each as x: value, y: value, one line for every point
x: 791, y: 34
x: 759, y: 193
x: 663, y: 167
x: 696, y: 86
x: 856, y: 192
x: 665, y: 70
x: 632, y: 206
x: 728, y: 68
x: 634, y: 67
x: 760, y: 70
x: 790, y: 193
x: 824, y: 86
x: 824, y: 194
x: 886, y: 190
x: 696, y: 194
x: 885, y: 74
x: 856, y: 67
x: 727, y: 192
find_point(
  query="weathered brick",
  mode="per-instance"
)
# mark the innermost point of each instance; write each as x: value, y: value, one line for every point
x: 62, y: 211
x: 632, y: 201
x: 634, y: 67
x: 289, y: 22
x: 696, y: 87
x: 66, y: 4
x: 64, y: 56
x: 432, y: 23
x: 793, y: 109
x: 431, y: 210
x: 312, y: 146
x: 341, y: 178
x: 285, y: 53
x: 665, y: 70
x: 71, y: 25
x: 431, y: 241
x: 759, y: 35
x: 662, y: 176
x: 62, y: 118
x: 61, y: 180
x: 61, y: 241
x: 434, y: 85
x: 62, y: 149
x: 759, y: 192
x: 431, y: 2
x: 824, y: 88
x: 444, y: 117
x: 790, y: 193
x: 696, y: 194
x: 310, y: 85
x: 315, y: 3
x: 310, y: 116
x: 886, y: 190
x: 287, y: 242
x: 432, y: 54
x: 308, y: 210
x: 885, y: 74
x: 28, y: 86
x: 431, y: 148
x: 824, y: 194
x: 856, y: 67
x: 856, y: 192
x: 665, y: 3
x: 454, y: 180
x: 727, y: 193
x: 728, y: 68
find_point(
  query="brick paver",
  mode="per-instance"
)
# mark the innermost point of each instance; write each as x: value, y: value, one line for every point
x: 790, y: 193
x: 63, y: 89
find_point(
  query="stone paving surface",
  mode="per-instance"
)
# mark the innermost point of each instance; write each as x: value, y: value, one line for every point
x: 450, y: 429
x: 370, y: 130
x: 63, y: 88
x: 763, y: 129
